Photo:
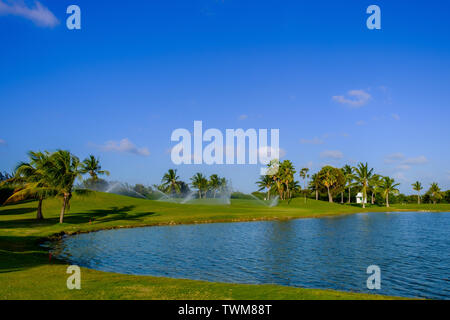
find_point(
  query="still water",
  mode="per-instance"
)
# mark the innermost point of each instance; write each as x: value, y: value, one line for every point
x: 412, y: 249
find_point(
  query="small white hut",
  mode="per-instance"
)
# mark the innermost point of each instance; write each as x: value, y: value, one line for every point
x: 359, y: 198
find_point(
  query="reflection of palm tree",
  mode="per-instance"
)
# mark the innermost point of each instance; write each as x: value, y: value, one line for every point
x: 92, y: 166
x: 32, y: 181
x: 171, y: 182
x: 200, y: 183
x: 388, y: 186
x: 265, y: 182
x: 417, y: 186
x: 362, y: 178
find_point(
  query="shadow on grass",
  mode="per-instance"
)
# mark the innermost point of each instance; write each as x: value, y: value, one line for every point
x: 17, y: 211
x: 98, y: 215
x: 19, y: 253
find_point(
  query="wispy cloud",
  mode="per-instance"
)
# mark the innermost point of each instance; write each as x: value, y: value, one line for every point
x: 39, y: 15
x: 124, y: 146
x: 361, y: 123
x: 354, y: 98
x: 395, y: 116
x: 314, y: 140
x: 394, y: 157
x: 415, y: 161
x: 332, y: 154
x: 243, y: 117
x: 404, y: 163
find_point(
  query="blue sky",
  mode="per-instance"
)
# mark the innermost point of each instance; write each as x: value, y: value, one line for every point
x: 137, y: 70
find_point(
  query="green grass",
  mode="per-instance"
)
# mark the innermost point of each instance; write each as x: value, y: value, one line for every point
x: 26, y: 273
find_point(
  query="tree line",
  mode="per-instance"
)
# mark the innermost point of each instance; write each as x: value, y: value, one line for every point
x: 335, y: 182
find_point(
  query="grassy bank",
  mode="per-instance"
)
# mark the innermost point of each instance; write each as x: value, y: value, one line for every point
x: 26, y: 273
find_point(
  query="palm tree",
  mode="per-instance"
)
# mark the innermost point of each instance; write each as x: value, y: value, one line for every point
x: 304, y: 175
x: 265, y: 182
x: 92, y: 166
x: 328, y: 179
x: 417, y: 186
x: 314, y: 185
x: 388, y: 186
x: 374, y: 183
x: 435, y: 192
x: 274, y: 171
x: 348, y: 174
x: 214, y: 183
x: 63, y: 168
x: 362, y: 178
x: 201, y: 183
x: 32, y: 181
x: 170, y: 182
x: 287, y: 176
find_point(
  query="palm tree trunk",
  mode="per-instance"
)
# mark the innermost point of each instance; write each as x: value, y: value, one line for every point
x: 418, y: 199
x: 342, y: 197
x: 387, y: 200
x: 364, y: 198
x: 373, y: 198
x: 330, y: 198
x: 268, y: 194
x: 349, y: 195
x: 317, y: 194
x: 199, y: 194
x: 39, y: 215
x: 63, y: 209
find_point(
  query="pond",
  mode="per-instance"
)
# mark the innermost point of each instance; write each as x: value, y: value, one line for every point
x: 412, y: 250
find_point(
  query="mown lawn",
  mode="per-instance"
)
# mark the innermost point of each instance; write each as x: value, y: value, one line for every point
x: 27, y: 273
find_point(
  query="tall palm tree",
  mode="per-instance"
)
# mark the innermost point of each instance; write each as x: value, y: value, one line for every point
x: 92, y: 166
x: 63, y: 168
x: 304, y: 175
x: 170, y: 182
x: 374, y: 183
x: 31, y: 181
x: 435, y: 192
x: 274, y: 171
x: 265, y: 182
x: 417, y: 186
x: 314, y: 184
x: 214, y: 183
x: 328, y: 179
x: 362, y: 177
x: 287, y: 176
x: 200, y: 183
x: 388, y: 186
x: 348, y: 174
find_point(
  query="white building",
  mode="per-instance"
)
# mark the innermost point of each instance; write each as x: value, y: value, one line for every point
x: 359, y: 198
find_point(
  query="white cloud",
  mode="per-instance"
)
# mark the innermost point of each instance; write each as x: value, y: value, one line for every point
x: 417, y: 160
x: 361, y: 123
x: 243, y: 117
x: 332, y: 154
x: 124, y: 146
x: 403, y: 167
x: 39, y: 15
x: 394, y: 157
x: 395, y: 116
x: 314, y: 140
x: 400, y: 176
x: 355, y: 98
